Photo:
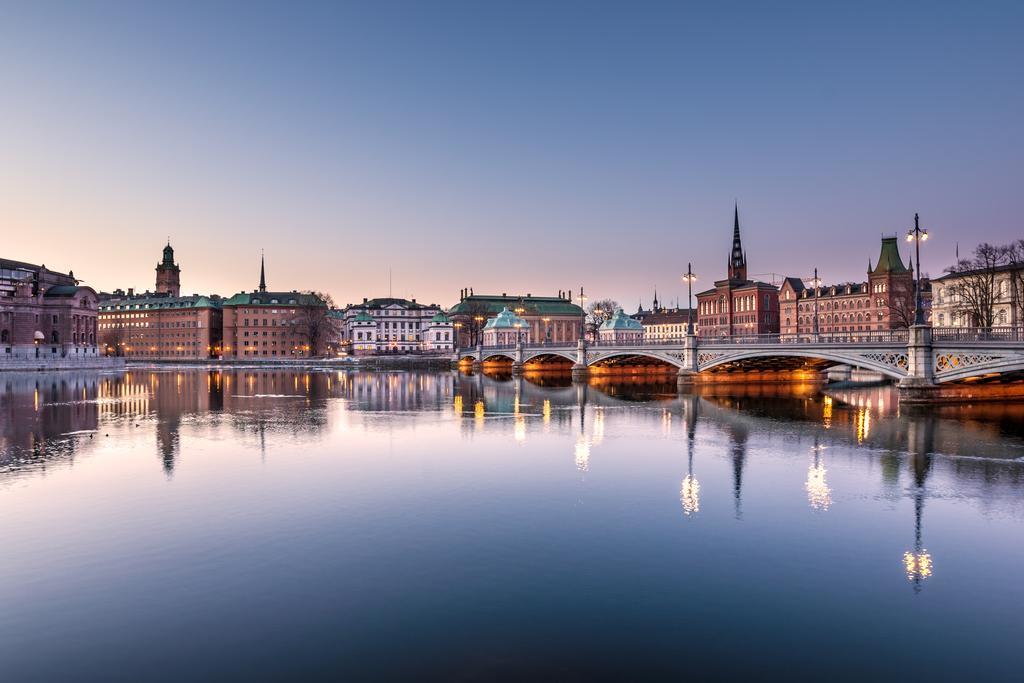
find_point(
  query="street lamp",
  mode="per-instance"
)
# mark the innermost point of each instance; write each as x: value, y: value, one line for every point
x: 817, y: 285
x: 917, y: 235
x: 689, y: 279
x: 479, y: 322
x: 455, y: 340
x: 583, y: 315
x: 547, y: 329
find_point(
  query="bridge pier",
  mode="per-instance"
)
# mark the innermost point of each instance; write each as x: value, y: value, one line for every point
x: 919, y: 385
x: 478, y: 362
x: 687, y: 375
x: 580, y: 371
x: 517, y: 364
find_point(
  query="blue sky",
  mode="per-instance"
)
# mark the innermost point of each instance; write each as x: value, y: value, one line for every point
x: 510, y: 147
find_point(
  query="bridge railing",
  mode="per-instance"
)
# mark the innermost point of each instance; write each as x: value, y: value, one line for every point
x: 969, y: 334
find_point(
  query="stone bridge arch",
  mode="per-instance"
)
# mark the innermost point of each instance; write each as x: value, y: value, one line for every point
x: 552, y: 354
x: 952, y: 365
x: 892, y: 363
x: 599, y: 358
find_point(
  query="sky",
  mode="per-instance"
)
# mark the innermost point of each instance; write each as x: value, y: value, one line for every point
x: 508, y: 147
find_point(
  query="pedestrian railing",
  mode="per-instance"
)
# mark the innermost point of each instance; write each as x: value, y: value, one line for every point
x: 899, y: 336
x: 969, y: 334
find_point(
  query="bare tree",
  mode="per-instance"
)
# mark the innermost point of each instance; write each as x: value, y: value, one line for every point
x: 601, y: 310
x: 112, y: 341
x: 902, y: 305
x: 474, y: 316
x: 974, y: 289
x: 313, y: 323
x: 1014, y: 255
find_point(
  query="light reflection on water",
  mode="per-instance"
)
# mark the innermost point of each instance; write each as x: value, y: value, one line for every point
x: 271, y: 522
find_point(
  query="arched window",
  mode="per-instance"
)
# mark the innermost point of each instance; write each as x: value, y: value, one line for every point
x: 54, y: 337
x: 5, y: 337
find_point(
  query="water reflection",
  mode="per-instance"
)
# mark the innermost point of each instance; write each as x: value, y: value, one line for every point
x: 689, y: 490
x: 356, y: 495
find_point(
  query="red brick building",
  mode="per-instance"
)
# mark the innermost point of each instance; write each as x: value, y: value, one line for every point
x: 160, y: 325
x: 737, y: 306
x: 274, y: 325
x: 884, y: 301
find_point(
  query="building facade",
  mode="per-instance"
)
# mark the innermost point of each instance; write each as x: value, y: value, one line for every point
x: 665, y: 324
x: 550, y: 319
x: 738, y: 306
x: 266, y: 325
x: 45, y: 314
x: 620, y: 329
x: 440, y: 335
x: 966, y: 298
x: 884, y: 301
x: 395, y: 326
x: 161, y: 325
x: 506, y: 329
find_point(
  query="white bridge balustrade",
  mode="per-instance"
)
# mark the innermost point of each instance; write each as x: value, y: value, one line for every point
x: 921, y: 358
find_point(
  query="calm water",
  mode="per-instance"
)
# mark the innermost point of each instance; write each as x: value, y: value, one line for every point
x: 264, y: 524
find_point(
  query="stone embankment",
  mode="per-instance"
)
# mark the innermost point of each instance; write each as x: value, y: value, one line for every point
x: 68, y: 363
x: 356, y: 363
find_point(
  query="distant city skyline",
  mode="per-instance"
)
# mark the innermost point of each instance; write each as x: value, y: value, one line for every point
x: 522, y: 149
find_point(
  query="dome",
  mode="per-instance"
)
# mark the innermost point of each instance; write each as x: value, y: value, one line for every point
x: 505, y: 320
x: 622, y: 322
x: 440, y: 318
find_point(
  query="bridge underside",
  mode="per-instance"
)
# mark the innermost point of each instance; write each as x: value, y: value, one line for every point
x: 1011, y: 377
x: 545, y: 362
x: 634, y: 363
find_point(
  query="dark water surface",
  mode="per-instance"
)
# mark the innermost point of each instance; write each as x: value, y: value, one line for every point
x: 270, y: 524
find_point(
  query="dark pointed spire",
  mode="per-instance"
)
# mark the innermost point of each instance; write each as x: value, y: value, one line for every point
x: 263, y: 274
x: 737, y: 257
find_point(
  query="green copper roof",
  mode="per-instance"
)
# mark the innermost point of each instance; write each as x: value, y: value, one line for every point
x: 621, y: 321
x: 384, y: 302
x: 889, y: 260
x: 363, y: 317
x: 149, y: 303
x: 505, y: 320
x: 274, y: 299
x: 61, y: 290
x: 440, y: 318
x: 480, y: 304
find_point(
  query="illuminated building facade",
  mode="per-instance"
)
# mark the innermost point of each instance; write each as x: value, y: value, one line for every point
x: 157, y: 327
x: 550, y: 319
x: 738, y: 305
x: 45, y: 314
x: 160, y: 325
x: 275, y: 325
x: 884, y: 301
x: 390, y: 325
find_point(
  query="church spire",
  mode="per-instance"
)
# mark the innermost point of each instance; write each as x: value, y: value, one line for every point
x: 737, y: 258
x: 263, y: 274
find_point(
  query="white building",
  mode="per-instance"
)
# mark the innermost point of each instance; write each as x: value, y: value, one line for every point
x: 439, y: 337
x: 394, y: 326
x: 665, y: 324
x: 950, y: 305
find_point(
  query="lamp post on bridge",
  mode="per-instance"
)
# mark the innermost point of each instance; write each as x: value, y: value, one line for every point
x: 583, y: 316
x: 689, y: 279
x: 917, y: 235
x: 814, y: 323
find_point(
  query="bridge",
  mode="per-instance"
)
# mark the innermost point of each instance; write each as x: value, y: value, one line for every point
x: 922, y: 359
